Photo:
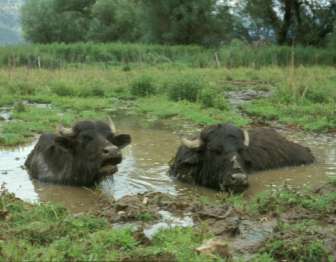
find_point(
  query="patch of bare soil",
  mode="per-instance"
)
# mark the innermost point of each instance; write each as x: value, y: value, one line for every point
x: 235, y: 232
x: 231, y: 228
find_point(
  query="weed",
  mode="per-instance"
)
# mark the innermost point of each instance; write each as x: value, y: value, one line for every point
x: 92, y: 91
x: 19, y: 107
x: 304, y: 245
x: 181, y: 242
x: 145, y: 216
x: 161, y: 108
x: 184, y: 87
x: 61, y: 88
x: 209, y: 97
x: 143, y: 86
x: 44, y: 232
x: 284, y: 198
x: 264, y: 257
x: 233, y: 55
x: 236, y: 201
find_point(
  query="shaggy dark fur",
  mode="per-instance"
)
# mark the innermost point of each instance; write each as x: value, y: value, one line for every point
x: 213, y: 165
x: 90, y: 153
x: 268, y: 149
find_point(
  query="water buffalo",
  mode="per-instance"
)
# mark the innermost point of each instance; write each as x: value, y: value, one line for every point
x: 81, y: 155
x: 223, y: 155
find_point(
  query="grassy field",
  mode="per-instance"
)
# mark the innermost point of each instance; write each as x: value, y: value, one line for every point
x: 304, y: 97
x: 44, y: 86
x: 44, y: 232
x: 236, y: 54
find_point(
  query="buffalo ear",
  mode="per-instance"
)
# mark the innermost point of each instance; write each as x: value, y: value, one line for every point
x: 65, y: 141
x: 122, y: 140
x: 187, y: 156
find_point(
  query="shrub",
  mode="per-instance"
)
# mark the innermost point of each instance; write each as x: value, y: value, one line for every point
x: 19, y: 107
x: 185, y: 87
x: 21, y: 87
x: 61, y: 88
x: 143, y: 86
x: 210, y: 97
x: 94, y: 89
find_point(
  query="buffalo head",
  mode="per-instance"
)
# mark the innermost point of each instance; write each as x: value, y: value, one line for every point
x: 213, y: 159
x: 80, y: 155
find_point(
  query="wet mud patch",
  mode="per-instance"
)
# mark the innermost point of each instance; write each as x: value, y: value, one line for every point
x: 147, y: 214
x: 5, y: 114
x: 240, y: 97
x: 306, y: 220
x: 145, y: 165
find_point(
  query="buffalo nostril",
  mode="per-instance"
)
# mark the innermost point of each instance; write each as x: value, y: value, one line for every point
x: 110, y: 150
x: 105, y: 151
x: 239, y: 176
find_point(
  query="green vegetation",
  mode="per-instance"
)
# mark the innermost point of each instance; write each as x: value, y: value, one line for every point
x: 143, y: 86
x: 281, y: 200
x: 303, y: 97
x: 206, y: 22
x: 306, y: 100
x: 236, y: 54
x: 305, y: 244
x: 47, y: 231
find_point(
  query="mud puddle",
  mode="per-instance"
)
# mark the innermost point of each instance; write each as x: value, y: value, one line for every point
x: 323, y: 148
x: 145, y: 166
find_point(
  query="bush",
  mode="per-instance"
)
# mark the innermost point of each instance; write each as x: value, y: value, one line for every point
x: 143, y: 86
x: 210, y: 97
x: 21, y: 87
x: 63, y: 89
x: 184, y: 88
x: 94, y: 89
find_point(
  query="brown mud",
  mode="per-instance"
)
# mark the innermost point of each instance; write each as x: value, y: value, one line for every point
x: 145, y: 165
x: 236, y: 231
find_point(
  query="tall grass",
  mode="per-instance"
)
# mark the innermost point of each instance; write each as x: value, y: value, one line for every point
x: 236, y: 54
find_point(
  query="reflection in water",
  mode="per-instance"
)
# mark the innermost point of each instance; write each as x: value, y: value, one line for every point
x: 14, y: 176
x: 144, y: 168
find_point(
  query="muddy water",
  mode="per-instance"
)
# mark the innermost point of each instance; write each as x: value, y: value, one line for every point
x: 323, y: 148
x: 145, y: 166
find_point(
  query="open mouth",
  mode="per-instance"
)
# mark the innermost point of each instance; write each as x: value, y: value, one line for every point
x: 109, y: 166
x: 108, y: 169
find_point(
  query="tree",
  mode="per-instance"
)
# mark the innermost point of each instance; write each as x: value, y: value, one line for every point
x: 300, y: 21
x: 39, y: 21
x: 187, y: 21
x: 44, y: 22
x: 115, y: 20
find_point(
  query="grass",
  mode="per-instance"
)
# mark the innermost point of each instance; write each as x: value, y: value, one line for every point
x: 160, y: 82
x: 306, y: 243
x: 284, y: 198
x: 45, y: 231
x: 303, y: 97
x: 161, y: 108
x: 236, y: 54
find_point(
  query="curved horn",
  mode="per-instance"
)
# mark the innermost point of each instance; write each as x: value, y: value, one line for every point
x: 192, y: 144
x: 246, y: 138
x: 112, y: 125
x: 65, y: 131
